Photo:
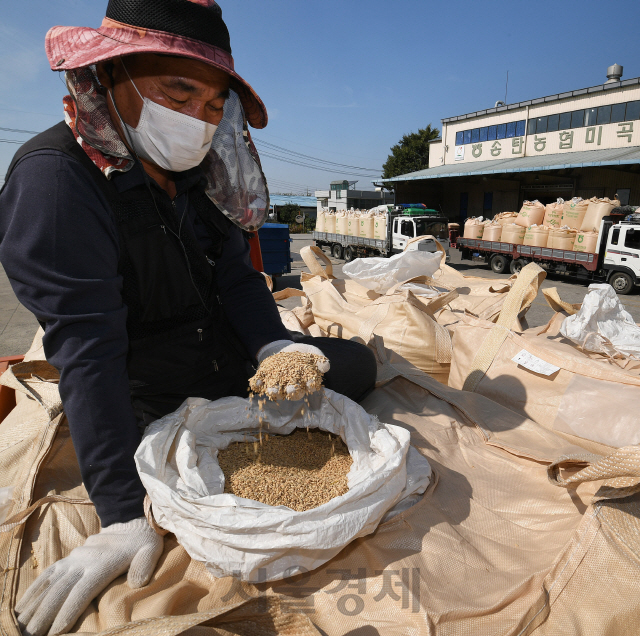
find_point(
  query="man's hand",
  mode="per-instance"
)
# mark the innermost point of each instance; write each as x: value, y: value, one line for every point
x: 288, y: 346
x: 64, y: 590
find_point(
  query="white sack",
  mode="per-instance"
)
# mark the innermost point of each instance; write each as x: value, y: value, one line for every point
x: 603, y: 325
x: 380, y: 274
x: 177, y: 462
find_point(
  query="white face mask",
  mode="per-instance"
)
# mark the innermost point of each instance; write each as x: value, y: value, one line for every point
x: 167, y: 138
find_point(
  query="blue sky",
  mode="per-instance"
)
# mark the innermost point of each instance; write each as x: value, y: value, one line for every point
x: 343, y: 80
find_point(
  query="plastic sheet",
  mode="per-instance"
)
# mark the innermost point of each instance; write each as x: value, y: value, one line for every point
x: 603, y: 325
x: 381, y: 274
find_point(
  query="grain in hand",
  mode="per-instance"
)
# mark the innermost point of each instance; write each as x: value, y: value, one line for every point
x: 291, y: 369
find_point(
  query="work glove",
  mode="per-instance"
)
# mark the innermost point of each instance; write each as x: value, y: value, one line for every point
x: 58, y: 597
x: 288, y: 346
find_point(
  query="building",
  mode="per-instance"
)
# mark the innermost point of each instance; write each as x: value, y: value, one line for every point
x: 580, y: 143
x: 308, y: 205
x: 343, y: 196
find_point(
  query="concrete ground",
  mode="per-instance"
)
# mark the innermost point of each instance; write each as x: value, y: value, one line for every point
x: 18, y: 326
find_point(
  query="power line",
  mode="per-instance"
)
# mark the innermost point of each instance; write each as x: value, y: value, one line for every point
x: 10, y: 141
x: 273, y: 147
x: 323, y: 169
x: 15, y: 130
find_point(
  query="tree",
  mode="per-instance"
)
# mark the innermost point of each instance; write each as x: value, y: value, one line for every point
x: 288, y: 212
x: 410, y: 154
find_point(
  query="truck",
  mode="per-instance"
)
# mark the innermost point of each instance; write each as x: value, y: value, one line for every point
x: 616, y: 260
x: 403, y: 223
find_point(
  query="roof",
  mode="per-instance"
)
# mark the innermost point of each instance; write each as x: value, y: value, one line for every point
x: 583, y: 159
x: 550, y: 98
x: 303, y: 202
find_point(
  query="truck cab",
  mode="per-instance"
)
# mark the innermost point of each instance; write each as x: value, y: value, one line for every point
x: 622, y: 254
x: 407, y: 227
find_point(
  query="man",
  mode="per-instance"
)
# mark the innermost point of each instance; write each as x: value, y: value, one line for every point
x: 121, y: 230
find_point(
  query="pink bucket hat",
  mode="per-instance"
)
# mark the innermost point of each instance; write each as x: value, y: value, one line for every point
x: 187, y: 28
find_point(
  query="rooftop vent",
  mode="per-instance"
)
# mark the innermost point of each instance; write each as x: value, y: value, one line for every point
x: 614, y: 73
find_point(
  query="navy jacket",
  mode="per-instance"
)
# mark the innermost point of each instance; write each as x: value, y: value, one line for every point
x: 59, y: 246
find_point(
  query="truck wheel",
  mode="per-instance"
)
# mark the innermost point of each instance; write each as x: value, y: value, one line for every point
x: 622, y: 283
x: 516, y: 265
x: 499, y: 263
x: 349, y: 254
x: 336, y: 251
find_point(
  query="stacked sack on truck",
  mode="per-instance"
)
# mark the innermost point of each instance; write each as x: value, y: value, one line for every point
x: 565, y: 225
x: 370, y: 224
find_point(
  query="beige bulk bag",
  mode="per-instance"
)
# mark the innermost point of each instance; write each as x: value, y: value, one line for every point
x: 531, y: 213
x: 546, y: 379
x: 473, y: 228
x: 454, y: 226
x: 513, y: 234
x: 330, y: 223
x: 366, y: 226
x: 562, y: 239
x: 320, y: 221
x: 586, y: 242
x: 345, y: 309
x: 380, y: 227
x: 553, y: 214
x: 352, y: 224
x: 596, y: 211
x: 505, y: 218
x: 341, y: 223
x: 536, y: 236
x: 520, y: 525
x: 492, y: 232
x: 573, y: 213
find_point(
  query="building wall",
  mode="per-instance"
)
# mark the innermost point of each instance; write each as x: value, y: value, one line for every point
x: 508, y: 194
x: 616, y: 135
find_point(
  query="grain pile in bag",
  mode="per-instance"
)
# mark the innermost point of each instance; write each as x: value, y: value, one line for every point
x: 320, y: 221
x: 573, y: 213
x: 596, y: 211
x: 553, y: 214
x: 473, y: 228
x: 233, y: 536
x: 531, y: 213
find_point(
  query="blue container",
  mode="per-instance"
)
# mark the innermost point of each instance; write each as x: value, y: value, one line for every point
x: 275, y: 246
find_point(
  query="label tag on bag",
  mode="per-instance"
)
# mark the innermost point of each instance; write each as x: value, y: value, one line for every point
x: 535, y: 364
